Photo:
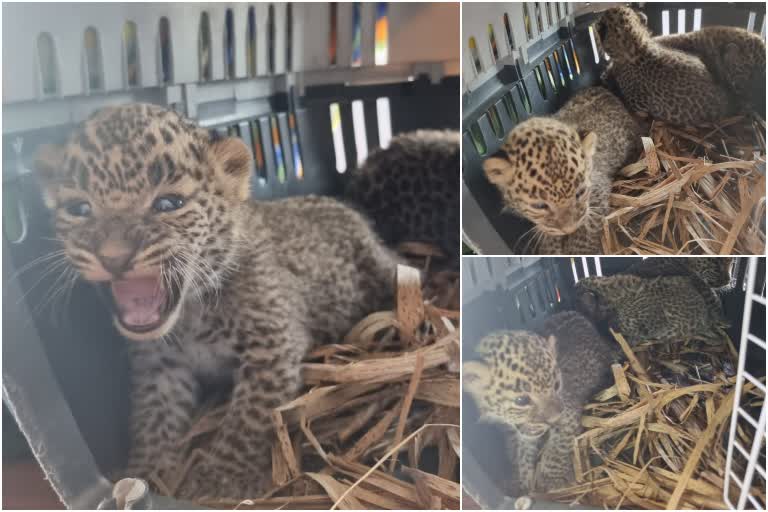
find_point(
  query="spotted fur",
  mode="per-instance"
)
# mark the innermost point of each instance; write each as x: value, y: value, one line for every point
x: 734, y: 57
x: 669, y: 85
x: 411, y: 190
x: 256, y: 284
x: 535, y: 385
x: 557, y: 171
x: 668, y: 302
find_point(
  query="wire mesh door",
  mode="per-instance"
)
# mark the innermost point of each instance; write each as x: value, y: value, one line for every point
x: 749, y: 341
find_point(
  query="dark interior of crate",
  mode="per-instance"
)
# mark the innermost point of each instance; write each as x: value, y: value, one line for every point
x: 523, y: 299
x: 541, y: 87
x: 85, y: 351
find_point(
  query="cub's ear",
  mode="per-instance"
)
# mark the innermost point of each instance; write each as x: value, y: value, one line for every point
x: 588, y: 143
x: 48, y: 164
x: 494, y: 169
x: 476, y: 376
x: 643, y: 17
x: 233, y: 165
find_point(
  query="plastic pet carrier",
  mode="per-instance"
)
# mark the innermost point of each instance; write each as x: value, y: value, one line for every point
x: 520, y: 293
x: 524, y: 59
x: 312, y: 88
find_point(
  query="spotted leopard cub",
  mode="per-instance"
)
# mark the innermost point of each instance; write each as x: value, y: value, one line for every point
x: 668, y: 84
x: 671, y: 308
x: 557, y: 171
x: 208, y: 287
x: 535, y: 384
x: 734, y: 56
x: 411, y: 190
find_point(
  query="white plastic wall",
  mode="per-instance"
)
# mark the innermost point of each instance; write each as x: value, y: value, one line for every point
x: 477, y: 16
x: 418, y: 33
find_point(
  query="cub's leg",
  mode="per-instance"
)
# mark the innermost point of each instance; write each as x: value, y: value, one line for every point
x: 524, y: 452
x: 164, y: 398
x: 555, y: 467
x: 238, y: 463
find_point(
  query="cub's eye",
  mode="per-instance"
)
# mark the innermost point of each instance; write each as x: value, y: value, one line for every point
x: 557, y: 385
x: 523, y: 400
x: 168, y: 203
x: 580, y: 193
x: 78, y: 208
x: 540, y: 206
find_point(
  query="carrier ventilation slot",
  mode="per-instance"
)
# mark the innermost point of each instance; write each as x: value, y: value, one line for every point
x: 94, y: 71
x: 527, y: 21
x: 575, y: 58
x: 493, y: 116
x: 250, y: 44
x: 539, y: 22
x: 492, y: 43
x: 131, y: 53
x: 556, y: 57
x: 48, y: 65
x: 475, y: 55
x: 381, y: 35
x: 551, y: 76
x: 298, y: 166
x: 204, y: 48
x: 278, y: 148
x: 358, y: 124
x: 357, y: 37
x: 289, y: 37
x: 595, y: 53
x: 508, y: 31
x: 384, y: 120
x: 665, y: 22
x: 271, y: 39
x: 567, y: 61
x: 509, y: 104
x: 548, y: 9
x: 333, y: 33
x: 751, y: 21
x: 522, y: 91
x: 229, y: 44
x: 681, y: 21
x: 258, y: 152
x: 696, y: 19
x: 557, y: 11
x: 540, y: 82
x: 165, y: 68
x: 338, y: 138
x: 477, y: 139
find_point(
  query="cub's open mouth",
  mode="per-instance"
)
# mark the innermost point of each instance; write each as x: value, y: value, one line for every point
x: 143, y: 304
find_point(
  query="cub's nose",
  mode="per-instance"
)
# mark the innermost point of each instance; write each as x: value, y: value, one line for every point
x: 115, y: 256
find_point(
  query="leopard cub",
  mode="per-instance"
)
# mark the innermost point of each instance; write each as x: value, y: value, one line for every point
x: 535, y: 385
x: 410, y: 190
x: 669, y: 85
x: 734, y: 56
x: 557, y: 171
x: 666, y: 308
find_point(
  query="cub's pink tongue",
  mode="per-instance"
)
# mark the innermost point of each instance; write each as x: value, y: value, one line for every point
x: 139, y: 300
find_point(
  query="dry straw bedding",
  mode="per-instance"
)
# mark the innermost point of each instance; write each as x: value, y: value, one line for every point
x: 655, y: 439
x: 377, y: 426
x: 693, y: 191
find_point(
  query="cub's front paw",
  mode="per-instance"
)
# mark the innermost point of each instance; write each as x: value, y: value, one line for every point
x: 208, y: 481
